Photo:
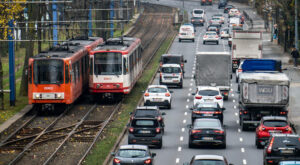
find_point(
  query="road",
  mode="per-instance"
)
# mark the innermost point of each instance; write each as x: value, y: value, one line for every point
x: 241, y: 147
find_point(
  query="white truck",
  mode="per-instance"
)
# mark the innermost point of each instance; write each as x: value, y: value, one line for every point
x: 245, y: 45
x: 214, y: 69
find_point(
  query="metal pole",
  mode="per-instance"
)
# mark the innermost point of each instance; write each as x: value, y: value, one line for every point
x: 296, y: 25
x: 54, y: 15
x: 111, y: 15
x: 90, y: 21
x: 11, y: 47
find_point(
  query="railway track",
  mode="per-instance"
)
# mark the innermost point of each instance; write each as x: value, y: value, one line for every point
x: 68, y: 138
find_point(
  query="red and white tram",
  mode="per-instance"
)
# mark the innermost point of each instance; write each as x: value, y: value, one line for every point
x: 116, y: 66
x: 59, y: 76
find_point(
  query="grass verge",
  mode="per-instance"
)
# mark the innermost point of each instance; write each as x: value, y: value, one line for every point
x: 103, y: 147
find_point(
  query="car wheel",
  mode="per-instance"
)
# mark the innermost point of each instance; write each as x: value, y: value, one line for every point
x: 203, y: 42
x: 169, y: 106
x: 236, y: 79
x: 193, y: 40
x: 179, y: 40
x: 243, y: 125
x: 223, y: 146
x: 217, y: 43
x: 159, y: 146
x: 191, y: 145
x: 222, y: 37
x: 225, y: 97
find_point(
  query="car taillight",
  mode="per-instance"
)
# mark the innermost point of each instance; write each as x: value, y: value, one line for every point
x: 116, y: 160
x: 157, y: 130
x: 288, y: 129
x: 160, y: 75
x: 193, y: 20
x: 260, y: 128
x: 219, y: 131
x: 217, y: 36
x: 198, y: 97
x: 283, y: 113
x: 131, y: 117
x: 181, y: 65
x: 146, y: 94
x: 269, y: 150
x: 196, y: 131
x: 148, y: 161
x: 197, y: 112
x: 219, y: 97
x: 131, y: 129
x: 167, y: 94
x: 159, y: 118
x: 218, y: 112
x: 205, y: 36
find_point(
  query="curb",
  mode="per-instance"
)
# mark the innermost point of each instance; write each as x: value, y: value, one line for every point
x: 13, y: 119
x: 124, y: 131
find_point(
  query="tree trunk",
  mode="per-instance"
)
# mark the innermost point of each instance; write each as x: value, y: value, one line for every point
x: 1, y: 80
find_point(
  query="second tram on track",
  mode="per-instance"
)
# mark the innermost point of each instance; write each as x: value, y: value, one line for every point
x: 116, y: 66
x: 59, y: 76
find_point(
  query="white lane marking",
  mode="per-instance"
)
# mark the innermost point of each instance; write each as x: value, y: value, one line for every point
x: 244, y: 161
x: 241, y: 139
x: 232, y: 95
x: 189, y: 94
x: 192, y: 79
x: 231, y: 89
x: 230, y: 84
x: 188, y: 100
x: 181, y: 138
x: 233, y: 101
x: 223, y: 45
x: 182, y: 129
x: 187, y: 106
x: 179, y: 149
x: 198, y: 42
x: 190, y: 89
x: 194, y: 68
x: 177, y: 160
x: 184, y: 121
x: 192, y: 75
x: 185, y: 113
x: 237, y: 122
x: 191, y: 84
x: 239, y: 130
x: 234, y: 107
x: 193, y: 72
x: 243, y: 150
x: 236, y: 114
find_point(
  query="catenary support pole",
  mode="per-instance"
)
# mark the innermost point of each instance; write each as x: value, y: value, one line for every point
x: 90, y: 20
x: 296, y: 25
x: 54, y: 15
x: 111, y: 16
x: 11, y: 47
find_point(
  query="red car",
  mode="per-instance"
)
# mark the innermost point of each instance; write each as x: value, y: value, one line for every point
x: 269, y: 125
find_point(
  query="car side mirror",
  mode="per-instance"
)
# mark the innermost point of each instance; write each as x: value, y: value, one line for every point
x: 163, y: 113
x: 158, y: 71
x: 191, y: 109
x: 185, y: 61
x: 143, y: 91
x: 113, y: 154
x: 171, y: 91
x: 189, y: 126
x: 223, y: 109
x: 153, y: 155
x: 130, y: 113
x: 193, y: 94
x: 127, y: 125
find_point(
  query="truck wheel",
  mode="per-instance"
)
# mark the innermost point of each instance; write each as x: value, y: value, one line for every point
x: 223, y: 146
x: 193, y: 40
x: 258, y: 145
x: 225, y: 97
x: 244, y: 126
x: 236, y: 80
x: 217, y: 43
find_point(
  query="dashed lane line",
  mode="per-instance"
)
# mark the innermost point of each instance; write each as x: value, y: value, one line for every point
x: 179, y: 149
x: 234, y: 107
x: 241, y: 139
x: 188, y: 100
x: 185, y: 113
x: 177, y: 160
x: 181, y: 138
x: 182, y: 129
x: 184, y: 121
x: 239, y: 130
x: 237, y: 122
x: 242, y: 150
x: 236, y: 114
x: 244, y: 161
x: 233, y: 101
x: 187, y: 107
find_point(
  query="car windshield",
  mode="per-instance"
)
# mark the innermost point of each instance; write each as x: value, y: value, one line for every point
x: 144, y: 123
x: 49, y: 71
x: 146, y: 113
x: 132, y: 153
x: 275, y: 123
x: 208, y: 162
x: 170, y: 70
x: 198, y: 11
x: 208, y: 92
x: 206, y: 124
x: 157, y: 90
x: 171, y: 60
x: 108, y: 63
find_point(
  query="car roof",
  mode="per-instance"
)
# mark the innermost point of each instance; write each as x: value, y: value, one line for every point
x: 170, y: 65
x: 141, y: 147
x: 198, y: 9
x: 208, y: 87
x: 147, y: 108
x: 274, y: 118
x: 210, y: 157
x: 172, y: 55
x: 157, y: 86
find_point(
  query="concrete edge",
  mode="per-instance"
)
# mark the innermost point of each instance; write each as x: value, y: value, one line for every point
x: 123, y: 133
x: 13, y: 119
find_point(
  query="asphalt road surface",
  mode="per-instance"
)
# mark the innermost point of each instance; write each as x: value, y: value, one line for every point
x: 241, y: 147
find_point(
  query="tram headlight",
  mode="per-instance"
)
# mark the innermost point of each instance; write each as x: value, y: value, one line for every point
x: 37, y: 96
x: 58, y: 96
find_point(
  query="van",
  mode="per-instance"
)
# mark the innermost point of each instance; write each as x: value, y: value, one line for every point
x: 235, y: 23
x: 186, y: 32
x: 171, y: 74
x: 198, y: 13
x: 172, y: 59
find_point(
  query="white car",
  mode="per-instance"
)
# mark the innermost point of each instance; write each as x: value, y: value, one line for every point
x: 208, y: 94
x: 238, y: 71
x: 171, y: 74
x: 211, y: 36
x: 158, y: 95
x: 224, y: 33
x: 198, y: 13
x: 208, y: 159
x: 186, y: 32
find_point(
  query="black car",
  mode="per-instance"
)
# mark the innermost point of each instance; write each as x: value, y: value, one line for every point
x: 173, y: 59
x: 207, y: 131
x: 149, y: 112
x: 227, y: 8
x: 133, y: 154
x: 282, y: 147
x: 208, y: 110
x: 222, y: 3
x: 197, y: 21
x: 145, y: 131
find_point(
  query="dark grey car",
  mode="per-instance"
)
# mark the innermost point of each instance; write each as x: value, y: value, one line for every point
x: 133, y: 154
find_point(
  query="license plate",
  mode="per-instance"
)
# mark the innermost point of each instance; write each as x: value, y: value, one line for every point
x: 175, y: 80
x: 265, y: 112
x: 287, y: 151
x: 207, y: 138
x: 144, y: 131
x: 209, y: 100
x: 274, y: 131
x: 157, y: 99
x: 207, y: 114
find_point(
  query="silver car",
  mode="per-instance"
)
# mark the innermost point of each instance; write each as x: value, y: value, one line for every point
x: 211, y: 36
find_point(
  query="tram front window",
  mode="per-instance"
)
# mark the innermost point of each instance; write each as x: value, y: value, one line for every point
x: 48, y: 71
x: 108, y: 63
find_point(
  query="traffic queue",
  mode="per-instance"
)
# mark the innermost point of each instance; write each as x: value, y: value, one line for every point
x: 263, y: 96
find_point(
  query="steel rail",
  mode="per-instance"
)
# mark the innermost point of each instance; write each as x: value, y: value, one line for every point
x: 69, y: 135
